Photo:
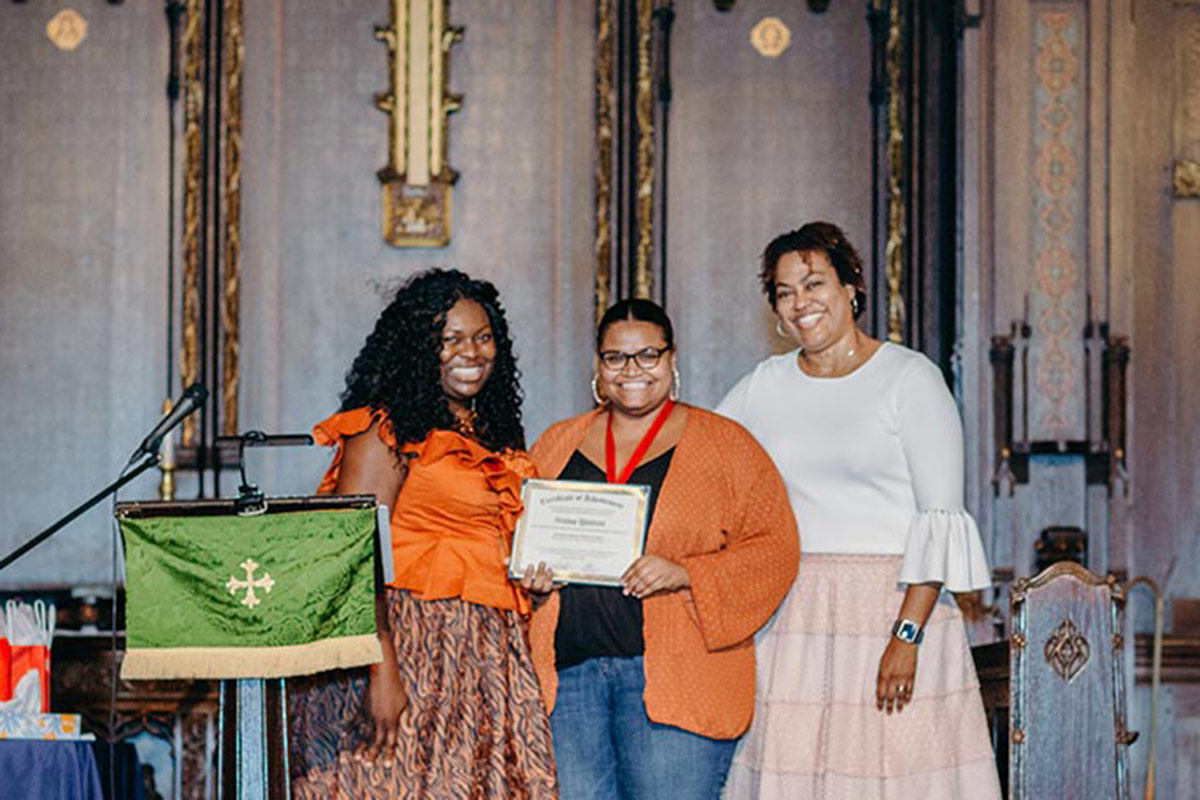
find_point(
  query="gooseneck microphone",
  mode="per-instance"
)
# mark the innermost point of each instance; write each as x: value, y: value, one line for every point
x: 192, y: 399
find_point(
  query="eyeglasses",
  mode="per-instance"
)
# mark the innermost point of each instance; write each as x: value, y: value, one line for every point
x: 647, y: 358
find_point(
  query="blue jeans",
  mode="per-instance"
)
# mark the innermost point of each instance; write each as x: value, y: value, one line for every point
x: 607, y: 748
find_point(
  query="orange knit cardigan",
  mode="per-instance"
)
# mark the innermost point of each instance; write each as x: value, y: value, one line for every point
x: 723, y: 513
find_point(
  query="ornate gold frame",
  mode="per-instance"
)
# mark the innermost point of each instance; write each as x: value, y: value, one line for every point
x: 637, y: 113
x: 606, y: 102
x: 231, y: 267
x: 417, y: 181
x: 643, y: 283
x: 1187, y: 179
x: 896, y: 214
x: 192, y: 45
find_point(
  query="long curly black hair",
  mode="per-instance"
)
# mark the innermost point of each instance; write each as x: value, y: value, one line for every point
x: 398, y: 369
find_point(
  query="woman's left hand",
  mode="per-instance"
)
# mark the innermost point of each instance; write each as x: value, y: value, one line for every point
x: 897, y: 673
x: 538, y: 583
x: 650, y: 575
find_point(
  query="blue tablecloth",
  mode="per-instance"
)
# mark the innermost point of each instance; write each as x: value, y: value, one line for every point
x: 48, y: 770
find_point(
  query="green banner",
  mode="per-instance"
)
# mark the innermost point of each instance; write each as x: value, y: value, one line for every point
x: 249, y: 597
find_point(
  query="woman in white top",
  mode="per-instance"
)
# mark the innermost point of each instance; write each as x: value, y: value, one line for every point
x: 866, y: 687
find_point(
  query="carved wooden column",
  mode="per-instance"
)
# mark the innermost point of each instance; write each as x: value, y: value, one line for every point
x: 212, y: 49
x: 914, y: 93
x: 625, y: 150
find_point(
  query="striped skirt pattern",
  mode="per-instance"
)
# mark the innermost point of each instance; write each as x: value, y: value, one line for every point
x: 817, y: 732
x: 475, y: 725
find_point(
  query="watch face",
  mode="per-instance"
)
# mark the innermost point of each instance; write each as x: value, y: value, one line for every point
x: 907, y: 631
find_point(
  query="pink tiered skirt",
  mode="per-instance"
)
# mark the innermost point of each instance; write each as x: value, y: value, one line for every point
x: 817, y: 732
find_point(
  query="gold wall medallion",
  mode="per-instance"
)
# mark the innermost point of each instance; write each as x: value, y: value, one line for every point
x: 417, y: 180
x: 67, y: 29
x: 1187, y: 178
x: 770, y: 37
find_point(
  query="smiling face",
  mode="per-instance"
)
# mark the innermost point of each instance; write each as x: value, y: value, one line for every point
x: 813, y: 305
x: 635, y: 390
x: 468, y: 351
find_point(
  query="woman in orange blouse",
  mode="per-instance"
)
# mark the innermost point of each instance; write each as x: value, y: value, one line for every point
x: 651, y: 684
x: 430, y: 425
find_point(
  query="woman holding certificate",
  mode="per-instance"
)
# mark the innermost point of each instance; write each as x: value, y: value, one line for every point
x: 866, y: 684
x: 431, y: 425
x: 652, y: 682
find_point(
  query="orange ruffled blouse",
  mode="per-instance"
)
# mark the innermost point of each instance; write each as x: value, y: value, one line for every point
x: 453, y: 521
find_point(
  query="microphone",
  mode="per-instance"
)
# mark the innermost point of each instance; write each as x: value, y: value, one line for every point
x: 193, y: 397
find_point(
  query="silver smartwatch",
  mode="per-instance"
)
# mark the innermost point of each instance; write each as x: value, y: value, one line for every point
x: 908, y: 631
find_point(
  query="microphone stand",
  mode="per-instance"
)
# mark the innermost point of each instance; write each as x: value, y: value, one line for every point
x: 251, y: 501
x: 151, y: 460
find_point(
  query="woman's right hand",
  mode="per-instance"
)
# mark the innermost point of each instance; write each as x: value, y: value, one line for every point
x: 386, y: 701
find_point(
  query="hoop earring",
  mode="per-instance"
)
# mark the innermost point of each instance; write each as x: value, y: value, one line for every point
x: 779, y: 328
x: 854, y: 305
x: 676, y: 383
x: 596, y: 391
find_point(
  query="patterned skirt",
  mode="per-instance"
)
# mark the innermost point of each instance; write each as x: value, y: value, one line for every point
x: 475, y: 725
x: 817, y: 732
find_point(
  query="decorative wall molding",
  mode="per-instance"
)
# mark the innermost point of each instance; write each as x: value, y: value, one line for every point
x: 894, y: 249
x: 67, y: 29
x: 1187, y: 178
x: 606, y: 112
x: 234, y: 48
x: 644, y: 110
x: 192, y: 46
x: 1059, y: 222
x: 625, y: 195
x: 770, y: 37
x: 417, y: 182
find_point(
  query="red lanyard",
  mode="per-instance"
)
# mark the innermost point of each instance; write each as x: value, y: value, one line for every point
x: 610, y: 446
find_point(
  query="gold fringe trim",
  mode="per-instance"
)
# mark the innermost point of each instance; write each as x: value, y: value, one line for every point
x: 160, y: 663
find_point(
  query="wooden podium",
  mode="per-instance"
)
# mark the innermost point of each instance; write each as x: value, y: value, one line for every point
x: 252, y: 739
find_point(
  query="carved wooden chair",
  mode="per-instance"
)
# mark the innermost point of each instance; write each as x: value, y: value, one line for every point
x: 1068, y: 736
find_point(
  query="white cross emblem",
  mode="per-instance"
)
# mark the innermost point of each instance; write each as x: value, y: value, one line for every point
x: 250, y: 584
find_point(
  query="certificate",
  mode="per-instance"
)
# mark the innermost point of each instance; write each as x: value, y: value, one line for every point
x: 586, y: 532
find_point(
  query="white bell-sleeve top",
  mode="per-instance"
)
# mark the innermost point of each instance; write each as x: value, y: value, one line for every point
x: 873, y: 461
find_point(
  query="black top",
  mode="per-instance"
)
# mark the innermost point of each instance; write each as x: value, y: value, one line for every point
x: 596, y: 621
